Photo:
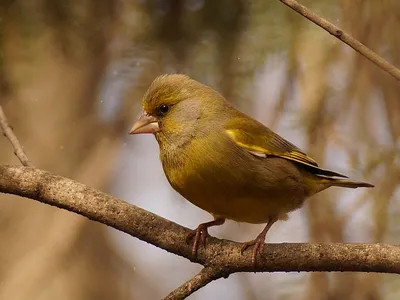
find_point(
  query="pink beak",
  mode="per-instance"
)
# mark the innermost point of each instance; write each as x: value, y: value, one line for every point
x: 145, y: 124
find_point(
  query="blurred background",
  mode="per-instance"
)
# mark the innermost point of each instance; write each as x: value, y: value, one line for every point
x: 72, y: 74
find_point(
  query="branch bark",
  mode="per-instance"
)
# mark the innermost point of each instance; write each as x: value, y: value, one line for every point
x: 344, y: 37
x: 219, y: 254
x: 205, y: 276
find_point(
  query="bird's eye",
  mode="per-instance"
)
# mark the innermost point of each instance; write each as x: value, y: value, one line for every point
x: 164, y: 109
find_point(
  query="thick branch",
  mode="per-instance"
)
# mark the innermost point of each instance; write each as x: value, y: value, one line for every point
x: 8, y: 133
x: 95, y: 205
x: 344, y: 37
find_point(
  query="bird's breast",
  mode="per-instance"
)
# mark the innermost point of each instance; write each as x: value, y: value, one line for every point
x: 243, y: 192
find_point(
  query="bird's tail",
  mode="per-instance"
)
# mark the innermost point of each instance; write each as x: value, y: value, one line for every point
x: 328, y: 178
x: 347, y: 183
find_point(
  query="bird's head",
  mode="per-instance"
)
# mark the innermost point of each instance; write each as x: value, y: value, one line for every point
x: 175, y: 106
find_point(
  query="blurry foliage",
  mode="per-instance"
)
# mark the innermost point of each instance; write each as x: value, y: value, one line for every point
x: 53, y: 56
x: 348, y: 109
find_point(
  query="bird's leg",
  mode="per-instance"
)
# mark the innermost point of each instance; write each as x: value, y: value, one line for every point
x: 259, y: 241
x: 200, y: 233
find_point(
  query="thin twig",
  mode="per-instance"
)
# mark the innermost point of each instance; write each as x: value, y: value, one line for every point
x: 8, y: 133
x: 205, y: 276
x: 344, y: 37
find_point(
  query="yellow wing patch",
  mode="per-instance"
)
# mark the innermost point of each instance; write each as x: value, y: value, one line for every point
x: 258, y: 150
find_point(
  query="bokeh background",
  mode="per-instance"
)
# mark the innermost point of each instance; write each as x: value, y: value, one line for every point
x: 72, y: 74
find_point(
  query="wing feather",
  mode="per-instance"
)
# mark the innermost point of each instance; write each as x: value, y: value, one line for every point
x: 263, y: 142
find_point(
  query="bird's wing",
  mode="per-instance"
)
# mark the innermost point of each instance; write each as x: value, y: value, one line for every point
x: 263, y: 142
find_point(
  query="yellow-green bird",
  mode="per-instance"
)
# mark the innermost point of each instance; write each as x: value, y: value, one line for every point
x: 225, y: 162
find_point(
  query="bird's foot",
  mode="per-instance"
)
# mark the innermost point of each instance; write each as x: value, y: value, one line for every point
x: 258, y: 246
x: 199, y: 234
x: 259, y: 241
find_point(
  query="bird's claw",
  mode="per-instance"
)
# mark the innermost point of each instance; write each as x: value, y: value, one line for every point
x: 200, y: 235
x: 258, y: 244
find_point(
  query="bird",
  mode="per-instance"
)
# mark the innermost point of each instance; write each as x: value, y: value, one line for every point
x: 225, y: 162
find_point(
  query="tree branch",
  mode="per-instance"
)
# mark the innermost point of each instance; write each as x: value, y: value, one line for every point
x: 8, y: 133
x: 221, y: 257
x: 344, y: 37
x: 205, y: 276
x: 219, y: 254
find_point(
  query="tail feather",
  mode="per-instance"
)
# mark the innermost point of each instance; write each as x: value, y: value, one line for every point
x: 350, y: 183
x: 329, y: 178
x: 322, y: 172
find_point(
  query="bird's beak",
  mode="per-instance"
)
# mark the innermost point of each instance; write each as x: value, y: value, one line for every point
x: 145, y: 124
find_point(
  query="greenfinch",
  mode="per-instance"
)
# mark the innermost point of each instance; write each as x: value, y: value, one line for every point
x: 225, y: 162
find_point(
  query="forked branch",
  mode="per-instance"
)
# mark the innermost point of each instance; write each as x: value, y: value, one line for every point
x: 221, y: 255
